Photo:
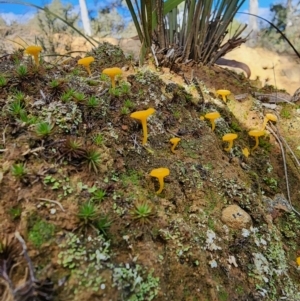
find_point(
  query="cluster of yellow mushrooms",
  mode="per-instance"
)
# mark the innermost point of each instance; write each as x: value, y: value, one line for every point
x: 230, y: 137
x: 161, y: 173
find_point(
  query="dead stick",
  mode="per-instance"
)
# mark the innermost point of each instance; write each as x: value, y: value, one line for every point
x: 24, y: 247
x: 52, y: 201
x: 284, y: 162
x: 3, y: 134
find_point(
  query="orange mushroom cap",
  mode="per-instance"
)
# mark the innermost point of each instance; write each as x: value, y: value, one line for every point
x: 142, y: 116
x: 223, y: 93
x: 269, y: 117
x: 229, y: 138
x: 256, y: 134
x: 174, y: 141
x: 34, y: 51
x: 86, y: 61
x: 212, y: 116
x: 112, y: 72
x: 160, y: 174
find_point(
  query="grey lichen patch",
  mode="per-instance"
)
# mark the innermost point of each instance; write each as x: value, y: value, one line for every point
x: 66, y: 116
x: 89, y: 262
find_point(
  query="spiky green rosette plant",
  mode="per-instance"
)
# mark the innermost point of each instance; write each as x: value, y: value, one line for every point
x: 195, y: 33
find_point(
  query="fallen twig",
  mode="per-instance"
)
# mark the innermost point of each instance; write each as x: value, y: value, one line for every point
x: 3, y: 150
x: 52, y: 201
x: 284, y: 162
x: 24, y: 247
x: 30, y: 151
x: 3, y: 135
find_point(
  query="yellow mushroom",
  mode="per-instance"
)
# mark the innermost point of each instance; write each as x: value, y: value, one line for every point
x: 86, y: 61
x: 246, y: 152
x: 256, y: 134
x: 298, y: 261
x: 142, y: 116
x: 34, y: 51
x: 223, y: 93
x: 112, y: 72
x: 160, y: 174
x: 212, y: 117
x: 229, y: 138
x: 269, y: 117
x: 174, y: 142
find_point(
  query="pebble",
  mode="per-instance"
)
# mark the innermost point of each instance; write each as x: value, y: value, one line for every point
x: 52, y: 211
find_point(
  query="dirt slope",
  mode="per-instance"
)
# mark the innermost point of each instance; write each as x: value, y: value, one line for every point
x: 75, y: 182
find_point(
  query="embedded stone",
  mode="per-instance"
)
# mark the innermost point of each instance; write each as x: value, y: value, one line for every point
x: 235, y: 217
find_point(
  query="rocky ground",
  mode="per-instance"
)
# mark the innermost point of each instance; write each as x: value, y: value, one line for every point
x: 76, y: 188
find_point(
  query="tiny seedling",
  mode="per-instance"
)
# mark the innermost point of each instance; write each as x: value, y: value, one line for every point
x: 87, y: 213
x: 16, y: 107
x: 67, y: 96
x: 93, y: 159
x: 129, y: 104
x: 103, y: 224
x: 115, y: 91
x: 72, y: 148
x: 54, y: 84
x: 19, y: 96
x: 124, y: 111
x: 98, y: 195
x: 15, y: 212
x: 3, y: 81
x: 125, y: 88
x: 27, y: 119
x: 22, y: 71
x: 93, y: 102
x: 43, y: 129
x: 98, y: 139
x: 142, y: 212
x: 49, y: 180
x: 18, y: 170
x: 79, y: 96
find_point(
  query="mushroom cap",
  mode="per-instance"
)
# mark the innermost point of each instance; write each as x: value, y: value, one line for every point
x: 142, y: 114
x: 111, y: 72
x: 223, y: 92
x: 86, y: 61
x: 271, y: 117
x: 229, y: 137
x: 256, y: 133
x: 160, y: 172
x: 212, y: 115
x: 33, y: 50
x: 174, y: 140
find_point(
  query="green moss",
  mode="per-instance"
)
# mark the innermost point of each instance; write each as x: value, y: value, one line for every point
x: 41, y: 232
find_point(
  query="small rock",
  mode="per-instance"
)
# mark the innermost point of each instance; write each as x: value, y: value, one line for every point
x: 52, y: 211
x: 235, y: 217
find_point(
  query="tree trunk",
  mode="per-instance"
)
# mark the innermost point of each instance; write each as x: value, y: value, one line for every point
x: 85, y: 18
x: 253, y: 23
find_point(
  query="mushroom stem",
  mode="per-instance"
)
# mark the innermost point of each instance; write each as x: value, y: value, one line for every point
x: 213, y: 125
x: 36, y: 59
x: 161, y: 185
x: 256, y: 144
x: 173, y: 148
x: 113, y: 83
x: 229, y: 146
x: 145, y: 131
x: 88, y: 69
